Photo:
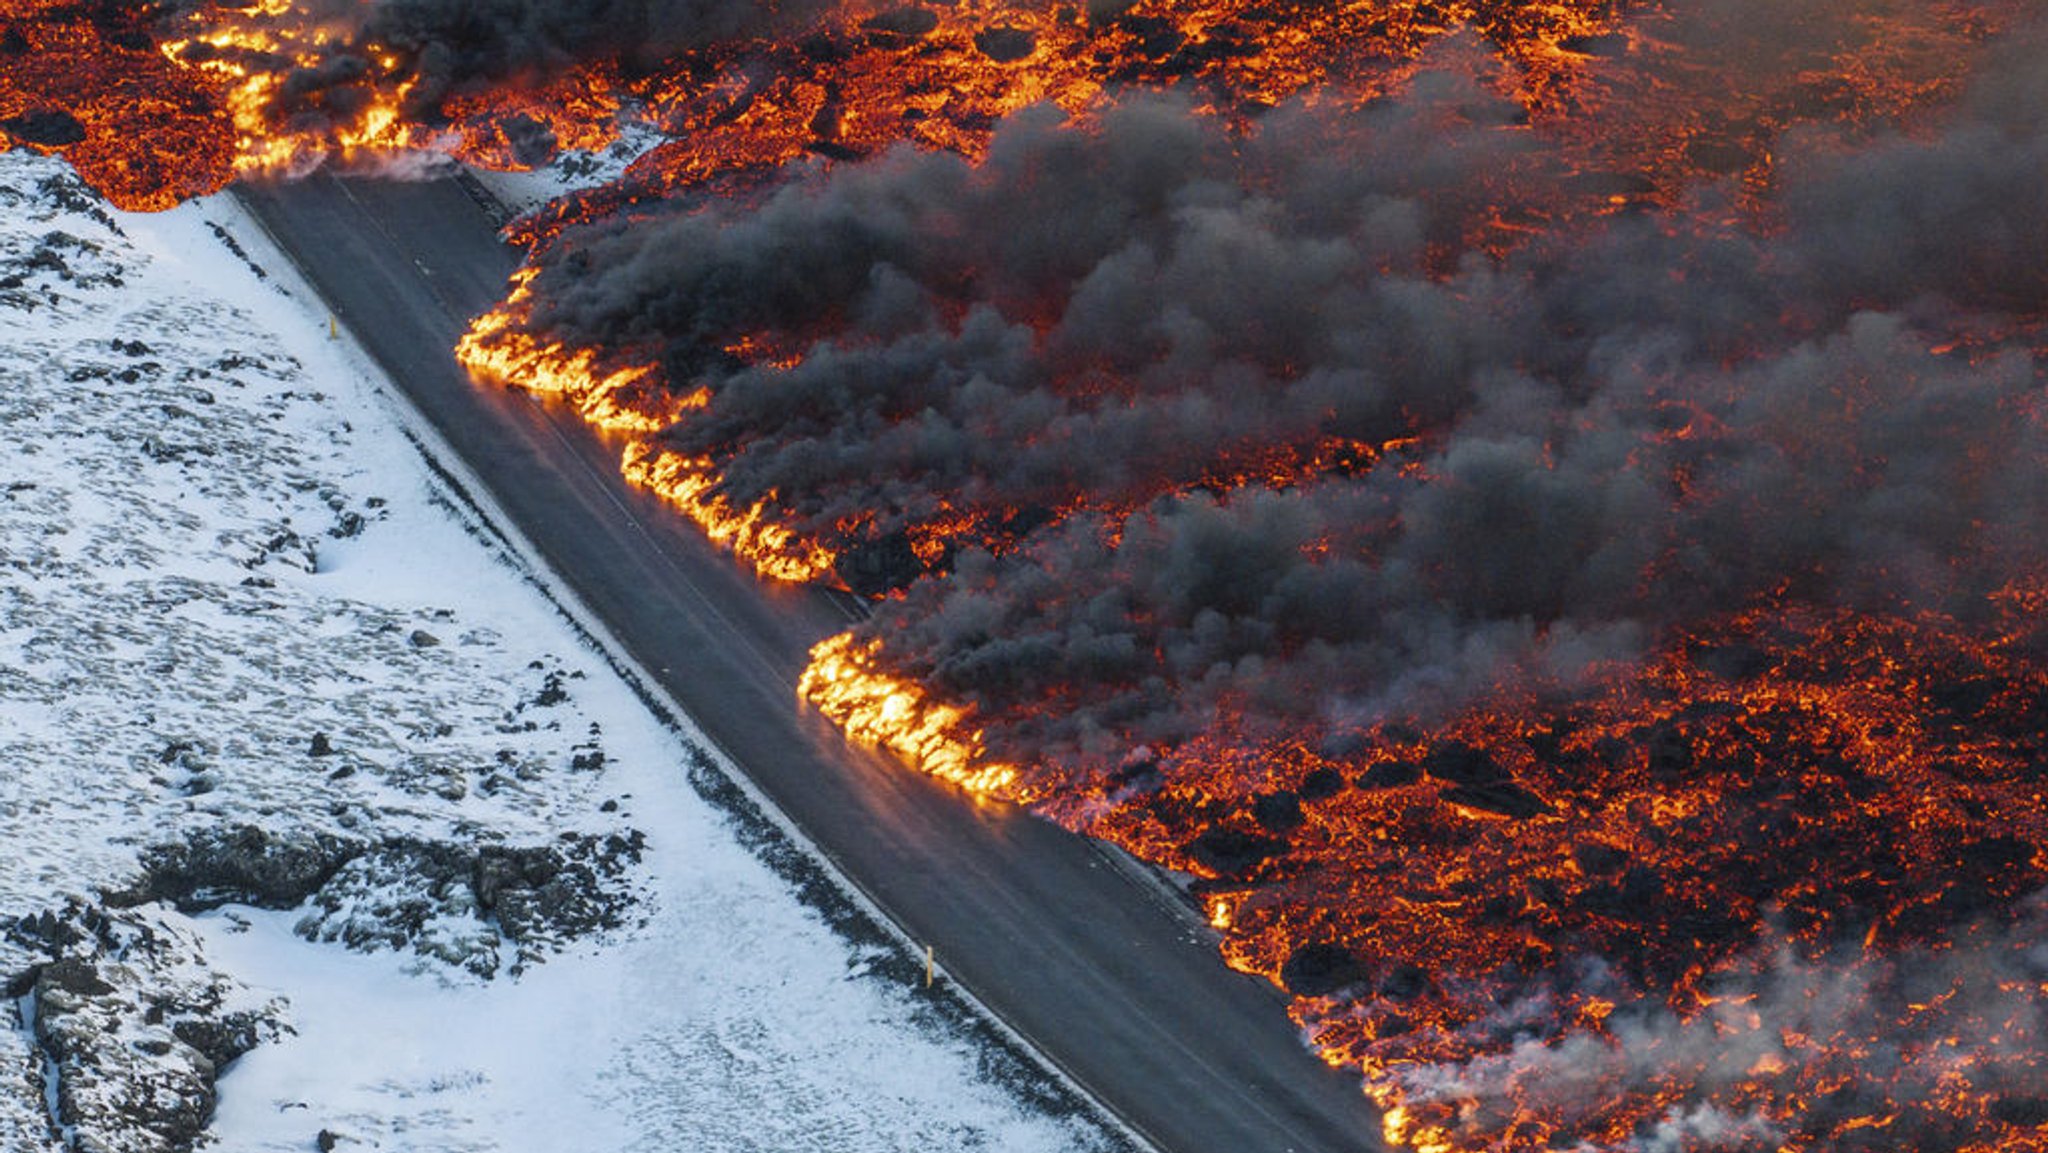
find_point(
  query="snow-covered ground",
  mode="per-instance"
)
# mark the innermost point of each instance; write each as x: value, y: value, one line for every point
x: 298, y: 763
x: 568, y: 172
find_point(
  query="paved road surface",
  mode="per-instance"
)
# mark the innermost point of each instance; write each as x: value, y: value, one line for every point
x: 1094, y: 967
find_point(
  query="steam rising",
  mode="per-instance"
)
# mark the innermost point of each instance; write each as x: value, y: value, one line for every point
x: 1565, y: 573
x: 1971, y: 1018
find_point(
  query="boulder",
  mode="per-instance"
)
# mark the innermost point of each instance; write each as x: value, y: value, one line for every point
x: 1005, y: 45
x: 241, y: 864
x: 1390, y: 775
x: 1278, y: 811
x: 909, y: 21
x: 135, y: 1024
x: 871, y: 568
x: 1462, y: 764
x: 1321, y: 968
x: 45, y: 128
x: 1233, y: 852
x: 1502, y: 798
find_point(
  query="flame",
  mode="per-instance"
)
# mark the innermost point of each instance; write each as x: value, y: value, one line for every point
x: 1221, y: 914
x: 614, y: 401
x: 247, y: 54
x: 629, y: 402
x: 1607, y: 864
x: 898, y: 715
x: 1834, y: 705
x: 1402, y: 1130
x: 753, y: 533
x: 210, y: 98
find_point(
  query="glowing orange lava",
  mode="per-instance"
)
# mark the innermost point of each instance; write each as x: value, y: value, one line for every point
x: 898, y: 715
x: 752, y: 533
x: 1768, y: 883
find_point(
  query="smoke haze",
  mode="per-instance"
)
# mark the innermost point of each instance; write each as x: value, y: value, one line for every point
x: 1589, y: 652
x: 1089, y: 340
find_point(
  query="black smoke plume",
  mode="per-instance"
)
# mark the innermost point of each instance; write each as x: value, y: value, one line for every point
x: 1243, y: 440
x: 436, y: 49
x: 1631, y: 424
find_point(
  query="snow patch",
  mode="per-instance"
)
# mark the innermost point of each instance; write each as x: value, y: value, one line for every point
x: 236, y: 598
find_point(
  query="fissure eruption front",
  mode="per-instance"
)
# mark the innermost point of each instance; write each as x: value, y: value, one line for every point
x: 1535, y: 508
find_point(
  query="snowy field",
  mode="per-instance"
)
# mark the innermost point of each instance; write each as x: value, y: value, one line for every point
x: 322, y: 827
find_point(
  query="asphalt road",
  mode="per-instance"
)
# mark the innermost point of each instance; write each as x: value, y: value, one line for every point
x: 1092, y: 965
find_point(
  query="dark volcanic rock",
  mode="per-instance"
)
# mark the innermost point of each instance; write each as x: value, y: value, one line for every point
x: 1278, y: 812
x: 908, y: 20
x: 240, y: 865
x: 1638, y: 896
x: 1321, y: 785
x: 1718, y: 156
x: 1607, y: 44
x: 1462, y: 764
x: 45, y: 127
x: 2028, y: 1112
x: 460, y: 903
x: 1140, y: 775
x: 874, y: 567
x: 532, y: 142
x: 1966, y: 697
x: 562, y: 890
x: 1600, y: 860
x: 1506, y: 798
x: 71, y: 975
x: 1232, y: 851
x: 1005, y: 45
x: 134, y: 1023
x: 1390, y: 775
x: 1322, y: 968
x: 1670, y: 752
x: 1404, y: 982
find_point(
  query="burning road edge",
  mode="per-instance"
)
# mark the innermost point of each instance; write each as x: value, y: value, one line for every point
x: 1535, y: 511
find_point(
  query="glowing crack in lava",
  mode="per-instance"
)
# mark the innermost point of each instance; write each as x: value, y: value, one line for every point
x: 1591, y: 659
x: 1537, y: 510
x: 92, y: 84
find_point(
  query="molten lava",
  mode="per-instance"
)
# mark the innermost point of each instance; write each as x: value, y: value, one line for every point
x: 1533, y: 508
x: 89, y: 82
x: 899, y: 716
x: 752, y: 532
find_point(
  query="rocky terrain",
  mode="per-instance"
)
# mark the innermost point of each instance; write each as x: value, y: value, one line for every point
x: 322, y: 826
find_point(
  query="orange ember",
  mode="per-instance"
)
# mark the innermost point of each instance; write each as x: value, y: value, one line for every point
x: 157, y: 105
x: 90, y: 83
x: 752, y: 532
x: 619, y: 400
x: 1660, y: 891
x: 898, y: 715
x: 1560, y: 885
x: 1770, y: 878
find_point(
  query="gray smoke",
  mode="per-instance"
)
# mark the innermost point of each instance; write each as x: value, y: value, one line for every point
x: 1891, y: 1038
x: 1624, y: 426
x: 449, y: 47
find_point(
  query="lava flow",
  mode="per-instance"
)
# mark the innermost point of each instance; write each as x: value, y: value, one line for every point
x: 91, y: 83
x: 1581, y: 634
x: 1535, y: 510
